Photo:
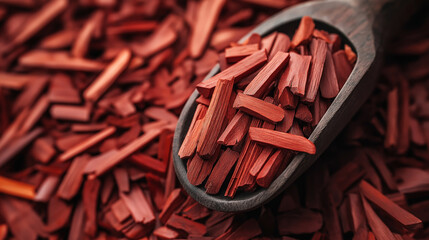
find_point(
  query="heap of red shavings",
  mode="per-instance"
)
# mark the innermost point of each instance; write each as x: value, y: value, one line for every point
x: 255, y: 114
x: 85, y: 135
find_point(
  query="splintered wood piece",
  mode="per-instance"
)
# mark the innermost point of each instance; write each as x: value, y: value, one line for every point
x: 23, y: 221
x: 238, y: 71
x: 46, y: 189
x: 149, y: 163
x: 220, y: 171
x: 280, y: 43
x: 107, y: 188
x: 286, y: 124
x: 16, y: 81
x: 122, y: 179
x: 343, y: 68
x: 71, y: 112
x: 87, y: 143
x: 61, y: 39
x: 296, y: 129
x: 260, y: 84
x: 138, y: 205
x: 165, y: 233
x: 295, y: 75
x: 346, y: 176
x: 248, y: 230
x: 335, y: 43
x: 95, y: 161
x: 299, y: 81
x: 90, y: 202
x: 282, y: 140
x: 248, y: 180
x: 170, y: 179
x: 381, y: 231
x: 132, y: 27
x: 130, y: 135
x: 39, y: 20
x: 59, y: 213
x: 261, y: 160
x: 259, y: 108
x: 202, y: 100
x: 196, y: 212
x: 351, y: 56
x: 391, y: 138
x: 272, y: 167
x: 189, y: 145
x: 108, y: 76
x: 304, y: 32
x: 173, y: 202
x: 73, y: 179
x: 18, y: 145
x: 186, y: 225
x: 214, y: 118
x: 81, y: 44
x: 357, y: 213
x: 329, y: 83
x: 206, y: 18
x: 156, y: 190
x: 43, y: 150
x: 318, y: 49
x: 287, y: 99
x: 160, y: 39
x: 267, y: 42
x: 199, y: 169
x: 235, y: 54
x: 62, y: 90
x: 400, y: 217
x: 77, y: 223
x: 104, y: 165
x: 16, y: 188
x: 34, y: 115
x: 92, y: 127
x: 238, y: 17
x: 239, y: 168
x: 303, y: 113
x: 158, y: 113
x: 29, y: 95
x: 304, y: 221
x: 322, y: 35
x: 384, y: 171
x: 235, y: 130
x: 120, y: 210
x: 316, y: 112
x: 58, y: 61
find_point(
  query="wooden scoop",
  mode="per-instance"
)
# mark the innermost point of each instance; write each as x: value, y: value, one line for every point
x: 363, y: 24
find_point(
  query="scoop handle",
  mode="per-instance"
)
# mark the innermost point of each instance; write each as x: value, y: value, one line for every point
x: 386, y: 16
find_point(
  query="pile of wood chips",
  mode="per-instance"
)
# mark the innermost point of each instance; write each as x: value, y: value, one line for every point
x: 269, y: 96
x: 90, y: 91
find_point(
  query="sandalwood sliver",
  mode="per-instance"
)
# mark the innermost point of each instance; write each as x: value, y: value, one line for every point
x: 238, y: 71
x: 259, y: 85
x: 304, y: 31
x: 213, y: 120
x: 282, y: 140
x: 259, y: 108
